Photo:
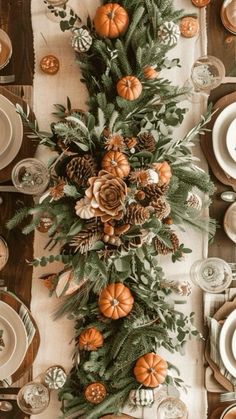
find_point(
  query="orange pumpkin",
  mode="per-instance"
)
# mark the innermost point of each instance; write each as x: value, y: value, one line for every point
x: 116, y: 163
x: 115, y: 301
x: 150, y: 370
x: 111, y: 20
x: 164, y: 171
x: 90, y: 339
x: 129, y: 88
x: 150, y: 73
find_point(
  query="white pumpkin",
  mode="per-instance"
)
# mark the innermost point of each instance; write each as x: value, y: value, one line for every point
x: 169, y: 33
x: 142, y: 397
x: 81, y: 39
x: 83, y: 209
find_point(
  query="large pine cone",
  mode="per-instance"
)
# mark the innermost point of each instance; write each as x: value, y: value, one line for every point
x: 136, y: 214
x: 146, y: 141
x: 153, y: 192
x: 161, y: 247
x: 80, y: 169
x: 161, y: 207
x: 87, y: 237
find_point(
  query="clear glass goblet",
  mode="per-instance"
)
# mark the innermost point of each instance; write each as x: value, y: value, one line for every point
x: 30, y: 176
x: 212, y: 275
x: 172, y: 408
x: 33, y: 398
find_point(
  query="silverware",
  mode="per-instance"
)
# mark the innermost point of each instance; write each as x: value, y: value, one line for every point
x: 228, y: 397
x: 228, y: 196
x: 6, y: 188
x: 6, y: 406
x: 229, y: 80
x: 7, y: 79
x: 2, y: 288
x: 8, y: 396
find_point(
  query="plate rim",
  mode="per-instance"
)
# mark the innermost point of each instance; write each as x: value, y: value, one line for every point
x: 215, y: 142
x: 17, y: 133
x: 22, y: 340
x: 227, y: 231
x: 11, y: 132
x: 14, y: 334
x: 222, y: 344
x: 228, y: 138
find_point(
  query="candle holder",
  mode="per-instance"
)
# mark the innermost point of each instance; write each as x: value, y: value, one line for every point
x: 30, y: 176
x: 33, y: 398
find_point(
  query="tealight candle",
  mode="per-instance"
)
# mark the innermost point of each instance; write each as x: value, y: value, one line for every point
x: 3, y: 253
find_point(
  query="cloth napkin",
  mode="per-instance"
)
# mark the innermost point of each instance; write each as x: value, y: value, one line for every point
x: 212, y: 302
x: 30, y: 331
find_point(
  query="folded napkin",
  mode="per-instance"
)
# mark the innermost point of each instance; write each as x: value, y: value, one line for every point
x: 30, y: 331
x: 212, y: 302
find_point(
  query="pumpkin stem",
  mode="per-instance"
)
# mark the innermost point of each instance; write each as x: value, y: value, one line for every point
x: 113, y: 163
x: 111, y: 15
x: 114, y: 302
x: 151, y: 370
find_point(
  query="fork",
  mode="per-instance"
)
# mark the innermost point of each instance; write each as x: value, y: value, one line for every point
x: 2, y: 285
x: 228, y: 397
x: 7, y: 79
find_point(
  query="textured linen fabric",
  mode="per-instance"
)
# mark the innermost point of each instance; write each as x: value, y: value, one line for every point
x: 56, y: 335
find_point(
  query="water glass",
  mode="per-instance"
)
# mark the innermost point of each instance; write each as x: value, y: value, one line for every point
x: 172, y: 408
x: 30, y: 176
x: 207, y: 73
x: 5, y: 49
x: 4, y: 253
x: 212, y: 275
x: 33, y: 398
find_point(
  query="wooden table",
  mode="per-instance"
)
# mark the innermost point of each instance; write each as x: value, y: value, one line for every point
x: 221, y: 44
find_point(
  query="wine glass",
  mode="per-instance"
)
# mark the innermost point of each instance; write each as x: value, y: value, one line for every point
x: 5, y: 49
x: 172, y: 408
x: 212, y: 275
x: 30, y: 176
x: 33, y: 398
x: 207, y: 73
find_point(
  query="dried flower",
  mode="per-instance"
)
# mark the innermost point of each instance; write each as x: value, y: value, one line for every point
x: 57, y: 191
x: 107, y: 194
x: 115, y: 142
x: 131, y: 142
x: 140, y: 177
x: 83, y: 209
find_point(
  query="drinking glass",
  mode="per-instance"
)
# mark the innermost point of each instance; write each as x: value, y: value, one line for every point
x: 30, y: 176
x: 5, y: 49
x: 212, y: 275
x: 33, y: 398
x: 4, y: 253
x: 172, y: 408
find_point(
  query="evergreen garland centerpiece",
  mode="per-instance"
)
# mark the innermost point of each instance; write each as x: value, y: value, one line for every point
x: 119, y: 187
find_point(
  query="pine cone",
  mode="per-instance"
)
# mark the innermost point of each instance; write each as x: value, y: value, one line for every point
x: 146, y: 141
x: 80, y: 169
x: 87, y: 237
x: 133, y: 243
x: 194, y: 201
x: 153, y: 191
x: 162, y: 248
x: 136, y: 214
x: 161, y: 207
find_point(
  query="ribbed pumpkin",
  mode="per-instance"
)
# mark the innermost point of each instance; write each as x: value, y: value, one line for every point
x: 111, y: 20
x: 116, y: 163
x: 164, y: 171
x: 115, y: 301
x: 150, y: 370
x: 129, y: 87
x: 90, y: 339
x: 150, y: 73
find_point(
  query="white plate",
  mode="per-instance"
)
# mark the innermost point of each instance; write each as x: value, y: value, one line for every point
x: 225, y: 345
x: 231, y: 140
x: 17, y: 132
x: 219, y: 133
x: 6, y: 132
x: 230, y: 222
x: 9, y: 339
x: 234, y: 344
x: 14, y: 319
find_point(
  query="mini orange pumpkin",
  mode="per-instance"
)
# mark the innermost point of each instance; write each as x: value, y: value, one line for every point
x: 150, y: 73
x: 111, y: 20
x: 164, y: 171
x: 90, y: 339
x: 115, y: 301
x: 116, y: 163
x: 95, y: 393
x: 150, y: 370
x: 129, y: 88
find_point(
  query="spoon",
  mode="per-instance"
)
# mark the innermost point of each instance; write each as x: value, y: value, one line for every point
x: 5, y: 406
x: 228, y: 196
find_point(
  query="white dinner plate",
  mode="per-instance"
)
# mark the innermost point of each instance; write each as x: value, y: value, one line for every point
x: 9, y: 340
x: 231, y: 139
x: 230, y: 222
x: 219, y: 133
x: 6, y: 132
x: 14, y: 319
x: 225, y: 343
x: 234, y: 344
x: 17, y: 132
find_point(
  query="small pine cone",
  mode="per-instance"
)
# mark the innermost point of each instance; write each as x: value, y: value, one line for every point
x: 162, y: 248
x: 194, y: 201
x: 134, y: 243
x: 136, y: 214
x: 146, y: 141
x: 161, y: 207
x: 154, y: 191
x: 87, y: 237
x: 80, y: 169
